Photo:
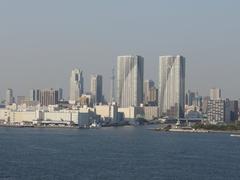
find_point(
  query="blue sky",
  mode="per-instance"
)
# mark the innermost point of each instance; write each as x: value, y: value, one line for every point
x: 42, y: 40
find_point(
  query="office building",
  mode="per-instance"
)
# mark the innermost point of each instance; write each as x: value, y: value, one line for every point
x: 86, y: 100
x: 76, y: 85
x: 34, y: 95
x: 9, y: 97
x: 190, y: 97
x: 150, y: 93
x: 48, y: 97
x: 112, y: 88
x: 60, y: 94
x: 205, y: 104
x: 172, y: 86
x: 231, y: 111
x: 148, y: 84
x: 97, y: 88
x: 130, y: 73
x: 215, y: 94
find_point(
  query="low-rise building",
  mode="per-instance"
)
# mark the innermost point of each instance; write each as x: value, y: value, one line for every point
x: 4, y: 115
x: 131, y: 113
x: 107, y: 112
x: 151, y: 112
x: 17, y: 117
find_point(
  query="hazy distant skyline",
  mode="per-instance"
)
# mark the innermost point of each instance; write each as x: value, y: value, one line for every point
x: 42, y: 41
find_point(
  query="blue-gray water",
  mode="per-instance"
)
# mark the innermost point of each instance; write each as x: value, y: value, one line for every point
x: 116, y: 153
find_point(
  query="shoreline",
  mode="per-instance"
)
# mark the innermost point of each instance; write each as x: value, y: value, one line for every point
x: 180, y: 130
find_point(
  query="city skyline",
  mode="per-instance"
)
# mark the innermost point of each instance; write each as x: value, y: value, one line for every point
x: 60, y: 41
x: 129, y: 89
x: 87, y: 85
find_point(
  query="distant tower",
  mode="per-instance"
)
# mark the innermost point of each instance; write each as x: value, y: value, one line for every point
x: 148, y: 84
x: 9, y: 97
x: 60, y: 94
x: 32, y: 95
x: 76, y: 85
x: 48, y: 97
x: 112, y: 93
x: 97, y: 88
x: 130, y: 73
x: 215, y: 94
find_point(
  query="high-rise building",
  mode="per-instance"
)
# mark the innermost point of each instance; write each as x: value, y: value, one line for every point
x: 97, y: 88
x: 198, y: 101
x: 148, y: 84
x: 190, y: 97
x: 34, y: 95
x: 60, y: 94
x: 48, y: 97
x: 76, y: 85
x: 9, y: 97
x: 231, y: 111
x: 216, y: 111
x: 150, y: 93
x: 205, y: 104
x: 215, y: 94
x: 222, y: 111
x: 130, y: 74
x: 112, y: 88
x: 172, y: 86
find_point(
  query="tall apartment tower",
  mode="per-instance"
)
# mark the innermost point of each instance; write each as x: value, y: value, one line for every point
x: 9, y: 97
x: 172, y: 86
x: 97, y: 88
x: 215, y: 94
x: 76, y: 85
x: 130, y: 74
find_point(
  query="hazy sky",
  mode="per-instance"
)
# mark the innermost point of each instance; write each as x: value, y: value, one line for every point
x: 42, y: 40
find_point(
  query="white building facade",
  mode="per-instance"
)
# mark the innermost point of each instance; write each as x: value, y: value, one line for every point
x: 76, y: 85
x: 172, y: 86
x: 130, y: 74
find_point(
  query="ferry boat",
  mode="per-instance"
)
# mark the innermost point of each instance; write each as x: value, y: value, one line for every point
x: 95, y: 125
x: 235, y: 135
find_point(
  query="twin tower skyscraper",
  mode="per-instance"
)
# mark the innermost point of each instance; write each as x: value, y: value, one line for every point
x: 130, y: 78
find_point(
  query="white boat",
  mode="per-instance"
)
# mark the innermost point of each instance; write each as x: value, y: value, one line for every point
x: 235, y: 135
x: 95, y: 125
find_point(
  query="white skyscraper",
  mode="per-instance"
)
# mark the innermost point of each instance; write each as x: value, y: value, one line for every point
x: 9, y: 97
x: 172, y: 86
x: 130, y: 74
x: 96, y: 88
x: 76, y: 85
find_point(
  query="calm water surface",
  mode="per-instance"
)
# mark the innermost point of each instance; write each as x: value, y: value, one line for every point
x: 126, y: 153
